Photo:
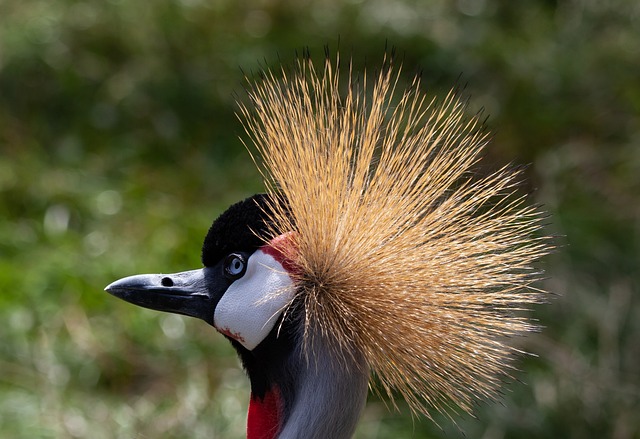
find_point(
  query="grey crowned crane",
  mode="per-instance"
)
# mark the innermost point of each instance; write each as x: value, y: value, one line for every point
x: 373, y: 252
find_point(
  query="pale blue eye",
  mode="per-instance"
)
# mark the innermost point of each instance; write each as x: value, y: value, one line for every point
x: 234, y: 266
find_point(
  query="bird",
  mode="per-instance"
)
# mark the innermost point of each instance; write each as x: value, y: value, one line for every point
x: 377, y: 257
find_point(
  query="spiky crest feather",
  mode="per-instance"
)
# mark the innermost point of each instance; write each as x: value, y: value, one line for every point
x: 402, y: 257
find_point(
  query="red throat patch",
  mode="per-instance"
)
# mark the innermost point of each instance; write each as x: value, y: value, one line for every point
x: 263, y: 421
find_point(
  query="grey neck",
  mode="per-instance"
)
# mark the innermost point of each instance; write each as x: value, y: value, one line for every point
x: 329, y: 400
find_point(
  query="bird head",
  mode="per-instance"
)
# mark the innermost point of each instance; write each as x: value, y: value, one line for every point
x: 242, y: 289
x: 375, y: 249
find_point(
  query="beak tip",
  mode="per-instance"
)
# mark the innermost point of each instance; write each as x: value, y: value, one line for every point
x: 109, y: 288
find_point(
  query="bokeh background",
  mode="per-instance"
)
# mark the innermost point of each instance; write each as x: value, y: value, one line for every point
x: 119, y: 145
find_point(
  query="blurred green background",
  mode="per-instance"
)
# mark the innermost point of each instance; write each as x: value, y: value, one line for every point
x: 119, y: 145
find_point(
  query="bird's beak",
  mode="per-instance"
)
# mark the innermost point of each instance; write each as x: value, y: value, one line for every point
x: 193, y: 293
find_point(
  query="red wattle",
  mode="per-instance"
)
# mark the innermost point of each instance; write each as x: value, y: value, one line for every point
x: 263, y: 421
x: 283, y: 248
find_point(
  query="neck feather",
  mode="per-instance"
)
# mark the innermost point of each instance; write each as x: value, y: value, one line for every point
x: 316, y: 400
x: 328, y: 403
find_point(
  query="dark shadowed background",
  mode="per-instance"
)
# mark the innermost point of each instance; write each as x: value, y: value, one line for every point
x: 119, y: 145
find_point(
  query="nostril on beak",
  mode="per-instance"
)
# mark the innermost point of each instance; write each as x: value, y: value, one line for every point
x: 167, y: 282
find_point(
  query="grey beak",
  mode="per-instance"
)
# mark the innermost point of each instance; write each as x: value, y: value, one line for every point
x: 192, y: 293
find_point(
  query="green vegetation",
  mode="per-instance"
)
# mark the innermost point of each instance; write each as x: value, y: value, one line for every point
x: 119, y: 145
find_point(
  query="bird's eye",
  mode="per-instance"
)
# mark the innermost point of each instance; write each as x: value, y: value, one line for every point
x: 234, y: 266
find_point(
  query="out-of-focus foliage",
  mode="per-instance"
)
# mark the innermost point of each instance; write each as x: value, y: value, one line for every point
x: 119, y: 144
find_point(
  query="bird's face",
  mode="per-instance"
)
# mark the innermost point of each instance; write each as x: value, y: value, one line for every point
x: 243, y: 288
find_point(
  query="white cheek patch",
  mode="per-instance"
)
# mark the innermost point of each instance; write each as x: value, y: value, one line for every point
x: 250, y: 307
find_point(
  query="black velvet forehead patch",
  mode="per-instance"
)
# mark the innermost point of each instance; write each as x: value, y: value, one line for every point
x: 235, y: 230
